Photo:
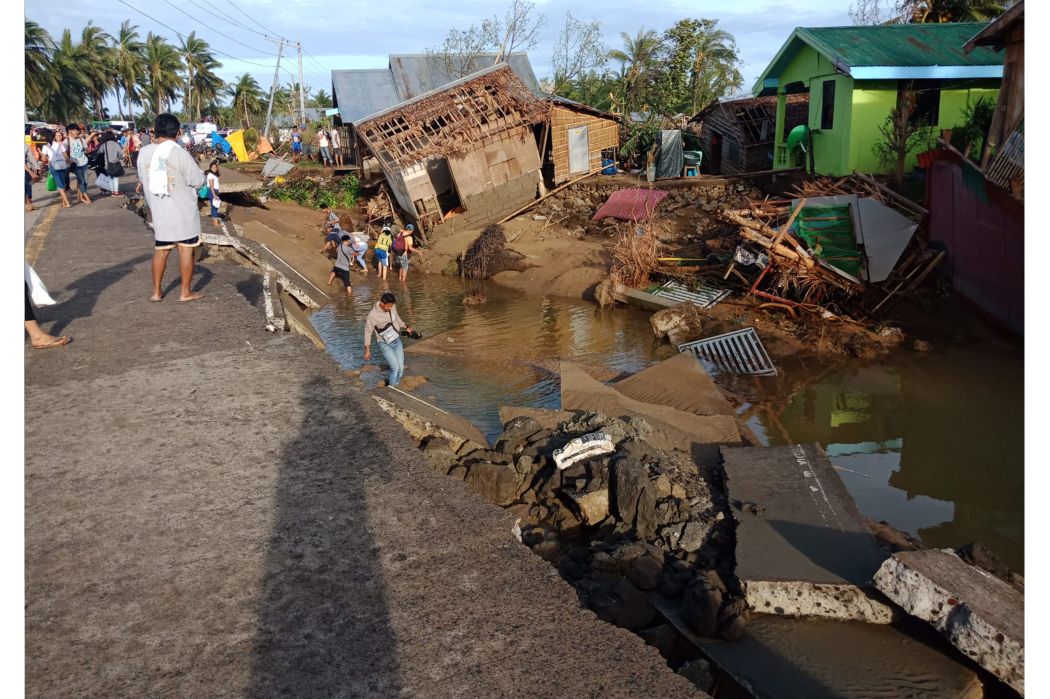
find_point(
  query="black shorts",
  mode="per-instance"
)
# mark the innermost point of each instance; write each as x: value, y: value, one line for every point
x: 343, y: 274
x: 169, y: 244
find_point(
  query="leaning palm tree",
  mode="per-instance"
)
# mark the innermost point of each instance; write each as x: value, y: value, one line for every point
x: 40, y: 78
x: 247, y: 98
x: 129, y: 64
x: 163, y: 66
x: 207, y: 88
x: 200, y: 66
x: 637, y: 63
x: 96, y: 65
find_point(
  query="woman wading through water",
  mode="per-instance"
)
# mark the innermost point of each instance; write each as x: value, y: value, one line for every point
x: 387, y: 325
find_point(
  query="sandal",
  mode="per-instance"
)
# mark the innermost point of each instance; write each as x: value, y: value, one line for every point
x: 54, y: 342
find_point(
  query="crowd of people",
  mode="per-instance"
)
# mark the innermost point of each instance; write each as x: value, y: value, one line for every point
x: 349, y: 248
x: 327, y: 141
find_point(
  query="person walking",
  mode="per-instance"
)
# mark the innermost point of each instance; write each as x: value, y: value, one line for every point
x: 359, y: 242
x: 322, y: 142
x: 79, y: 161
x: 170, y: 180
x: 55, y: 157
x: 384, y: 321
x: 403, y: 247
x: 212, y: 180
x: 344, y: 255
x: 382, y: 251
x: 337, y: 151
x: 32, y: 167
x: 108, y: 161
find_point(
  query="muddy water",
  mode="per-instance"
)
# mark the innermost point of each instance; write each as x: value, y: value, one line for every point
x: 932, y: 443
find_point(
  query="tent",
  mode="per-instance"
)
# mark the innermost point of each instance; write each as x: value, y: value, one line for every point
x: 218, y: 141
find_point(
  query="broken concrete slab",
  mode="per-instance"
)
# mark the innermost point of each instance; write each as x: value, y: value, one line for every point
x: 582, y: 448
x: 979, y: 614
x: 674, y: 428
x: 422, y: 419
x: 679, y: 382
x: 803, y: 548
x: 818, y: 659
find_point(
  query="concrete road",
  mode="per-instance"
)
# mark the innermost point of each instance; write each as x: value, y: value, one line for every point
x: 214, y: 511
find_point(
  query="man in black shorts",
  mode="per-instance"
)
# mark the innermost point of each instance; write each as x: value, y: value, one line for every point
x: 344, y: 255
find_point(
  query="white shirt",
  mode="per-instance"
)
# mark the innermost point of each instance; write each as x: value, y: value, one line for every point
x: 335, y: 138
x: 322, y: 140
x: 56, y: 155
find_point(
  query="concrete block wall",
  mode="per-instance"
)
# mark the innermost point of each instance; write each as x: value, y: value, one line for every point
x: 493, y: 204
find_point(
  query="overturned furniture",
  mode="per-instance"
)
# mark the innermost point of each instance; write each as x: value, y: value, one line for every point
x: 467, y: 148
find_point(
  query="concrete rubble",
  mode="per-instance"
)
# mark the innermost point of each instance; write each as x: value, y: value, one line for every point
x: 979, y: 614
x: 803, y: 548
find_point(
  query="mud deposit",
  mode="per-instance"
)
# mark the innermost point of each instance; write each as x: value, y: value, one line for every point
x: 932, y: 441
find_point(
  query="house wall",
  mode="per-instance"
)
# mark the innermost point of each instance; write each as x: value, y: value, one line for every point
x: 860, y: 107
x: 495, y: 162
x: 874, y: 100
x: 601, y: 134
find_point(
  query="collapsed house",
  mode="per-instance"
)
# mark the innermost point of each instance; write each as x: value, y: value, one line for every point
x: 468, y: 148
x: 737, y: 136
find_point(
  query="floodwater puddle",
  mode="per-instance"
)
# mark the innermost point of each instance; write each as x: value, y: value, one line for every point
x: 931, y: 443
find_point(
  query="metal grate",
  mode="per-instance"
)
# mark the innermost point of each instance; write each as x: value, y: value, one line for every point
x: 740, y: 352
x: 705, y: 297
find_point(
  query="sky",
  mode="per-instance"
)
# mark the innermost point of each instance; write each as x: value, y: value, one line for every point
x: 362, y: 34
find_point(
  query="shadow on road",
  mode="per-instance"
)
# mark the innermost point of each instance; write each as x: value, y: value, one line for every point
x: 86, y: 291
x: 323, y: 628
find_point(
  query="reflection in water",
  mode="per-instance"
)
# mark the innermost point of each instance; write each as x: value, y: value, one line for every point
x: 931, y: 444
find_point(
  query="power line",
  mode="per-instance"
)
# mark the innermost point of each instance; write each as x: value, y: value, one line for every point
x: 228, y: 17
x: 253, y: 20
x: 183, y: 37
x: 265, y: 53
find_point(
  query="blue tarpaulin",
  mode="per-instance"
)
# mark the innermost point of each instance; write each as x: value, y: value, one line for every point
x: 218, y: 141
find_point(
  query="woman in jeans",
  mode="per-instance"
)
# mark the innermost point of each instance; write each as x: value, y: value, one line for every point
x: 79, y: 161
x: 54, y: 154
x: 111, y: 153
x: 387, y: 325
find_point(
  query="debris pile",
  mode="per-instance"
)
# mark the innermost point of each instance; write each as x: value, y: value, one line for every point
x: 620, y: 517
x: 488, y: 254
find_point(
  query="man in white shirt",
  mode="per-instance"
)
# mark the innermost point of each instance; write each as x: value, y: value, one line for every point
x: 337, y: 152
x: 170, y: 179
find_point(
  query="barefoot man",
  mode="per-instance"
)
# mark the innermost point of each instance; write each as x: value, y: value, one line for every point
x: 170, y: 179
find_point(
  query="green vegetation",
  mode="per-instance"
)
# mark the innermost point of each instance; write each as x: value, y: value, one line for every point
x: 313, y: 192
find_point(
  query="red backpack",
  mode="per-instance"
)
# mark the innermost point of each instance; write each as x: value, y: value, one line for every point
x: 399, y: 243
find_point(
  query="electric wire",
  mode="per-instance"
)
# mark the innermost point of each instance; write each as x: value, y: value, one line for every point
x: 254, y: 21
x: 253, y: 48
x: 183, y: 36
x: 229, y: 18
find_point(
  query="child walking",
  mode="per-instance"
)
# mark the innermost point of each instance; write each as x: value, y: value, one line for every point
x: 212, y: 181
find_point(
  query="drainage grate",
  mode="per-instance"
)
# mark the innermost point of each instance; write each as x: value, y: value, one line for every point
x: 705, y: 297
x: 740, y: 352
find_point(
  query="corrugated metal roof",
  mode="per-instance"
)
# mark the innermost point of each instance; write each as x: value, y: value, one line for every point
x: 362, y: 92
x: 902, y: 44
x: 894, y: 51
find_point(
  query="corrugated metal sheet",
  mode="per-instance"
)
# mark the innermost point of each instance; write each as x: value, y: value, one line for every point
x: 704, y: 297
x: 359, y: 93
x: 902, y: 44
x: 630, y: 204
x: 983, y: 232
x: 363, y: 92
x: 740, y: 352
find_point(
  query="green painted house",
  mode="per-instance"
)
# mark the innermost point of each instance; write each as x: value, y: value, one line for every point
x: 852, y: 76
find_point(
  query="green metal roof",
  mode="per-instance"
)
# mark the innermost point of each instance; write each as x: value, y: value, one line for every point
x: 894, y: 51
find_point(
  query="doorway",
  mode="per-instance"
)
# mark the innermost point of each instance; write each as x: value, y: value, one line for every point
x: 444, y: 186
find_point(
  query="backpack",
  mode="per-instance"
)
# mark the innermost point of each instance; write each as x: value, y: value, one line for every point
x: 399, y: 243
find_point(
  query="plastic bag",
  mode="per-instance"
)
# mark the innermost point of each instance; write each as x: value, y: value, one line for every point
x: 203, y: 191
x: 51, y: 186
x: 37, y: 290
x: 103, y: 181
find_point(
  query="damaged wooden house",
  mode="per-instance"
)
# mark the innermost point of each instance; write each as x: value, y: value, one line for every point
x: 467, y: 149
x: 737, y: 136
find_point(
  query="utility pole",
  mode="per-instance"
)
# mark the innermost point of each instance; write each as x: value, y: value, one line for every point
x: 273, y: 88
x: 302, y: 99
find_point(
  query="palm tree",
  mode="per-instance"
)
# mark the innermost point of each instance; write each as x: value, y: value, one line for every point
x: 40, y: 78
x: 930, y: 11
x: 636, y: 64
x: 163, y: 65
x: 96, y: 64
x: 715, y: 70
x: 247, y: 98
x: 200, y: 75
x: 129, y: 64
x: 66, y: 101
x: 320, y: 99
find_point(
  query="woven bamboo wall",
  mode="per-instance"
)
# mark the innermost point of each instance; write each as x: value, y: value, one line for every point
x: 602, y: 134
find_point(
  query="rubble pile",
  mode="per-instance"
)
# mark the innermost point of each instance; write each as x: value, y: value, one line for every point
x: 626, y: 522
